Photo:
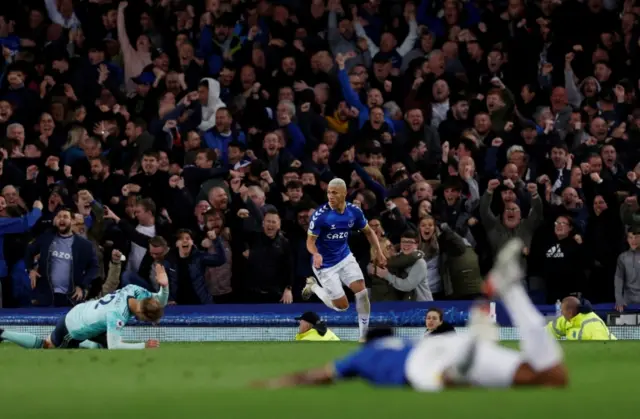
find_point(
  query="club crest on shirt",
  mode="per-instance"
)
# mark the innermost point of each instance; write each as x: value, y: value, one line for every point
x: 350, y: 223
x: 119, y: 324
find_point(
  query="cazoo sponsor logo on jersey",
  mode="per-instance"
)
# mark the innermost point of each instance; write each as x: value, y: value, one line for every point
x: 338, y: 236
x: 61, y: 255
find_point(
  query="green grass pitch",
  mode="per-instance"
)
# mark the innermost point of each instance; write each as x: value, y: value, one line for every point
x: 210, y: 380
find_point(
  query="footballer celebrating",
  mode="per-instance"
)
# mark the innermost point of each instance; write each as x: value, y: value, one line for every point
x: 98, y: 324
x: 458, y: 359
x: 333, y: 262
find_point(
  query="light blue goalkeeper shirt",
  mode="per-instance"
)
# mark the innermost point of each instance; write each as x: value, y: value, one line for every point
x: 109, y: 314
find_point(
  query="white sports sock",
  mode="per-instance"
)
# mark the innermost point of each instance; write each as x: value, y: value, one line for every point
x: 323, y: 296
x: 363, y: 307
x: 540, y: 349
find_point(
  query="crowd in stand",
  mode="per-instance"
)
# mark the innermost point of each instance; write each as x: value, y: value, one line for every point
x: 202, y: 135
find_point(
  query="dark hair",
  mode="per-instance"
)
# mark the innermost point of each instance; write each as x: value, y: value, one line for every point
x: 289, y: 169
x: 257, y: 167
x: 229, y: 65
x: 272, y: 211
x: 225, y: 110
x: 399, y: 175
x: 15, y: 211
x: 209, y: 154
x: 294, y: 184
x: 443, y: 328
x: 379, y: 332
x: 410, y: 234
x: 370, y: 199
x: 436, y: 310
x: 569, y: 220
x: 304, y: 206
x: 67, y: 209
x: 237, y: 144
x: 148, y: 205
x: 140, y: 123
x: 102, y: 159
x: 151, y: 153
x: 214, y: 213
x: 593, y: 156
x: 560, y: 145
x: 183, y: 231
x: 158, y: 241
x: 412, y: 144
x: 468, y: 144
x: 97, y: 142
x: 318, y: 145
x: 37, y: 144
x: 203, y: 83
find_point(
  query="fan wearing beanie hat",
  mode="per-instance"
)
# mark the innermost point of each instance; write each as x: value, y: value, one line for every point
x: 312, y: 329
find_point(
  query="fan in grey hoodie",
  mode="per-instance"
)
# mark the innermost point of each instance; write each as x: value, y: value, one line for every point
x: 416, y: 279
x: 627, y: 278
x: 574, y: 94
x: 342, y: 39
x: 209, y: 92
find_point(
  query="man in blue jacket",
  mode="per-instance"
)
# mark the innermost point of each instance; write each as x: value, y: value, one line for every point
x: 65, y: 266
x: 13, y: 225
x: 224, y: 132
x: 188, y: 287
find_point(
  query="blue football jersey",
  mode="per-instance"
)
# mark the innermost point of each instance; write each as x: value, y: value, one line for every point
x: 382, y: 363
x: 332, y: 229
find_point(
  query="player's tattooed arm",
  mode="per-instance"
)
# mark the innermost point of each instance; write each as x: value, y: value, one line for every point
x: 319, y: 376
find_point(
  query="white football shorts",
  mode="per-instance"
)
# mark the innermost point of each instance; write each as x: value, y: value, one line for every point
x: 492, y: 365
x: 344, y: 272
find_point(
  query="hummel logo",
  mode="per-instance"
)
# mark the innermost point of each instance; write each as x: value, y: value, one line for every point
x: 333, y: 226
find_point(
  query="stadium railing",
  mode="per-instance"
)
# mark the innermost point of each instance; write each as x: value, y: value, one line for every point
x: 276, y: 322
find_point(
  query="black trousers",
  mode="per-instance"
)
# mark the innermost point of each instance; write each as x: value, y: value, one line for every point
x: 6, y: 293
x: 62, y: 300
x: 224, y: 299
x: 258, y: 297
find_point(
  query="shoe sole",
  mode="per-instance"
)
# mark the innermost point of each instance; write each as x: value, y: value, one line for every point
x: 306, y: 295
x: 512, y: 249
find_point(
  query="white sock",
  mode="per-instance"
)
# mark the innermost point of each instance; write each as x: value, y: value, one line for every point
x: 540, y: 349
x: 323, y: 296
x: 363, y: 307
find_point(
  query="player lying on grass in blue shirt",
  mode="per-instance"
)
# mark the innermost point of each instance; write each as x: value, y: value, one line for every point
x: 98, y: 324
x: 470, y: 359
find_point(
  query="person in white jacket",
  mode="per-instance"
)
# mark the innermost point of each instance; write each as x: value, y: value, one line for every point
x: 209, y: 97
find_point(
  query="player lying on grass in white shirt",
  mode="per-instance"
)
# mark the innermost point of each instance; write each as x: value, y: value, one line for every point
x: 98, y: 324
x: 465, y: 359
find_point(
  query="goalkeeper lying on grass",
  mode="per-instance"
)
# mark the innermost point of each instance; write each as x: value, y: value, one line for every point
x: 99, y: 323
